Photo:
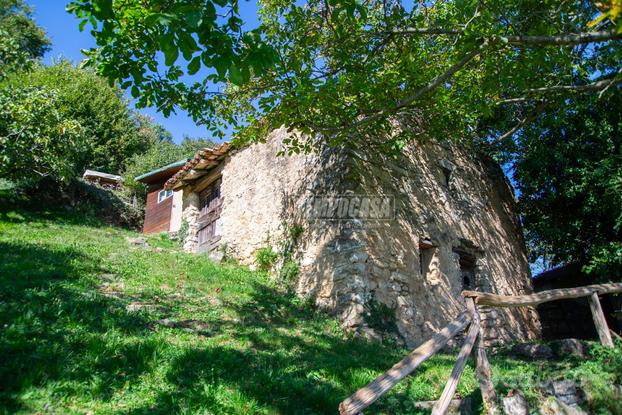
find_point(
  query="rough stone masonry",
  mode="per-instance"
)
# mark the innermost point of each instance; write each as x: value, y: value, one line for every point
x: 442, y: 220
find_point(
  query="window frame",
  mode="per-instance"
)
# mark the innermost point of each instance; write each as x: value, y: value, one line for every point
x: 167, y: 194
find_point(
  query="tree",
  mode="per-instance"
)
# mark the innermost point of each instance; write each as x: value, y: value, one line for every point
x: 36, y: 139
x: 22, y: 41
x: 568, y: 167
x: 343, y: 69
x: 161, y: 153
x: 85, y: 124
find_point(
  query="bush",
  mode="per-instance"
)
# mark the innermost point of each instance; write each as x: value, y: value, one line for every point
x: 182, y: 233
x: 114, y: 206
x: 380, y: 316
x: 266, y: 258
x: 289, y: 271
x: 59, y: 120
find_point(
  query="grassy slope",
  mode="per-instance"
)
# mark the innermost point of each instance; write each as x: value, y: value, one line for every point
x: 69, y: 345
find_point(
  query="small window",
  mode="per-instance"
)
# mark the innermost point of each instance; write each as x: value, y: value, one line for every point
x: 426, y: 254
x: 164, y: 194
x: 467, y: 262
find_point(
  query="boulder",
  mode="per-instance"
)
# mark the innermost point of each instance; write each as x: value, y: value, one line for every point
x: 535, y: 351
x: 138, y: 241
x: 554, y: 406
x: 570, y: 347
x: 567, y: 391
x: 515, y: 404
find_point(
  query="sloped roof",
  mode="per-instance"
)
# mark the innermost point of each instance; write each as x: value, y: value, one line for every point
x: 94, y: 174
x: 172, y: 168
x: 198, y: 166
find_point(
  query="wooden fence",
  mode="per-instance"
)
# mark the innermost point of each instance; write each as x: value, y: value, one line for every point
x: 474, y: 342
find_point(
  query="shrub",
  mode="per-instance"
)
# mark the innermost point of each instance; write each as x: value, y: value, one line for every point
x: 380, y: 316
x: 289, y: 271
x: 182, y: 233
x: 266, y: 257
x: 295, y: 231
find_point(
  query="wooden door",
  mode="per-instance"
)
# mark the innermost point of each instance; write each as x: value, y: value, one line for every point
x: 210, y: 203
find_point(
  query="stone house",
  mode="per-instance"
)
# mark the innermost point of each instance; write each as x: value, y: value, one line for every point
x: 403, y: 235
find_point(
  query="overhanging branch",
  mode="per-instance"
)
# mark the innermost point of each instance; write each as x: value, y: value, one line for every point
x: 523, y: 40
x: 529, y: 118
x: 594, y: 86
x: 564, y: 39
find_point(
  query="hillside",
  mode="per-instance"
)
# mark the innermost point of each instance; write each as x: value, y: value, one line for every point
x: 92, y: 323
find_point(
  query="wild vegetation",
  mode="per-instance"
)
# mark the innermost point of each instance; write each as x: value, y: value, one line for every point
x: 93, y: 323
x: 22, y: 41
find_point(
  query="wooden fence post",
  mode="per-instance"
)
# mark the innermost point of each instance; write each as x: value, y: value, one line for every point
x: 367, y: 395
x: 441, y: 406
x: 600, y: 321
x: 482, y: 366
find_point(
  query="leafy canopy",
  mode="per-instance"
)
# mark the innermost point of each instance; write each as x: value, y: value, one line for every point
x: 57, y: 121
x: 343, y: 68
x: 568, y: 167
x: 22, y: 41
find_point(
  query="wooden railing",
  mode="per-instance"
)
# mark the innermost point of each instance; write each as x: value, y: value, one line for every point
x: 367, y: 395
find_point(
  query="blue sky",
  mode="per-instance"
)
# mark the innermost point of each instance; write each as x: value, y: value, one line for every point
x: 67, y: 41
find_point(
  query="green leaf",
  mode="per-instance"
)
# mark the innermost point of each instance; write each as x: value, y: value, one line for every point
x: 235, y: 75
x: 102, y: 9
x: 170, y: 55
x: 239, y: 74
x: 221, y: 64
x: 193, y: 19
x: 194, y: 65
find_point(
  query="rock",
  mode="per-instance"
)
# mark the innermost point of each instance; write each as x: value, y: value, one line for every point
x: 137, y: 306
x: 369, y: 334
x: 570, y: 347
x: 216, y: 255
x: 139, y: 241
x: 532, y: 351
x: 515, y: 404
x: 554, y: 406
x: 191, y: 326
x: 456, y: 407
x: 567, y: 391
x: 108, y: 277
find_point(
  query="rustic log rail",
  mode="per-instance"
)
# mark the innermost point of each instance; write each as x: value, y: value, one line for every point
x: 541, y: 297
x: 367, y: 395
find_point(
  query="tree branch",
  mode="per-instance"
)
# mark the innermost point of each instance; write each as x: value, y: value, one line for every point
x: 564, y: 39
x: 525, y: 40
x: 594, y: 86
x: 427, y: 31
x: 529, y: 118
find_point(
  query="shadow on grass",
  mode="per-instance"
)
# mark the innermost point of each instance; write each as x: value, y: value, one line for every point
x: 281, y: 356
x: 51, y: 324
x: 285, y: 362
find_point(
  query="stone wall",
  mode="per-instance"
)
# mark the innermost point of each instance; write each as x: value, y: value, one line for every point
x: 454, y: 228
x: 258, y: 187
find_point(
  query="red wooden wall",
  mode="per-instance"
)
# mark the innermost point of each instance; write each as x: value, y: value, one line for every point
x: 157, y: 215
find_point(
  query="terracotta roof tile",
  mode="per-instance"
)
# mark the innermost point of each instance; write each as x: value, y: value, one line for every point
x: 204, y: 159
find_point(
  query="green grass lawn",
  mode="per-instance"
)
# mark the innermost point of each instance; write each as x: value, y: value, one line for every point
x: 91, y: 324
